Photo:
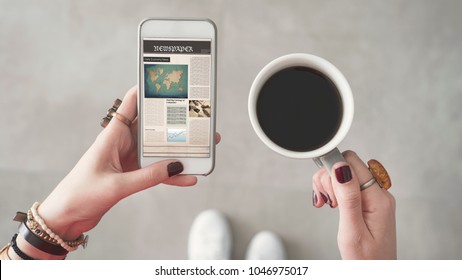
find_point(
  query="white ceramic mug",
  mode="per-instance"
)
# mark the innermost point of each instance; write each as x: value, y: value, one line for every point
x: 327, y: 154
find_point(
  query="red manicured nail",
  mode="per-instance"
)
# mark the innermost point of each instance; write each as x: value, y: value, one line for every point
x: 174, y: 168
x: 343, y: 174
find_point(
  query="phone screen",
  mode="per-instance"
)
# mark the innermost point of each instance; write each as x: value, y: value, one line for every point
x: 177, y: 107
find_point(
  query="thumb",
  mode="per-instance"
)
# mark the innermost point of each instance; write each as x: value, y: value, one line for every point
x: 149, y: 176
x: 347, y: 192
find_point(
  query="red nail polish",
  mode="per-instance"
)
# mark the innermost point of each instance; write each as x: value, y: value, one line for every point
x: 343, y: 174
x: 174, y: 168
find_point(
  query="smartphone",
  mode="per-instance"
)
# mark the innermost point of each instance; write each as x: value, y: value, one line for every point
x: 177, y: 92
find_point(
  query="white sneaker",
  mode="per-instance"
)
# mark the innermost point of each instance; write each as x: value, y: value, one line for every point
x: 266, y: 245
x: 210, y: 237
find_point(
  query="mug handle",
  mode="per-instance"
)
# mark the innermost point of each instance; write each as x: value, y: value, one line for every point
x: 328, y: 160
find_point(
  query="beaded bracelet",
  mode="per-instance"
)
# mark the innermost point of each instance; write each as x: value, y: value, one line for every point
x: 35, y: 228
x: 67, y: 245
x: 39, y: 243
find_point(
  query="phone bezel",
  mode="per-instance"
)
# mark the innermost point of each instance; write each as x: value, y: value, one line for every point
x: 176, y: 28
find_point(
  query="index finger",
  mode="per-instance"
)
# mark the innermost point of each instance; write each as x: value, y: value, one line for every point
x: 128, y: 106
x: 374, y: 192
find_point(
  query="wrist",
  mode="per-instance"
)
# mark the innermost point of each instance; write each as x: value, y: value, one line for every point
x: 36, y: 240
x: 59, y: 221
x: 42, y: 228
x: 31, y: 251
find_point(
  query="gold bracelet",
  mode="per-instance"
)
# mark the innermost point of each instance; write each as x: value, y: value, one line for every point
x: 37, y: 230
x: 40, y: 223
x: 42, y: 234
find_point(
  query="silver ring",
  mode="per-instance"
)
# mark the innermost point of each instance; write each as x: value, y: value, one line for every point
x: 367, y: 184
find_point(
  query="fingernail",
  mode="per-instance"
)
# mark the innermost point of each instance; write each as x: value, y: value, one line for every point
x: 324, y: 197
x: 315, y: 199
x: 174, y: 168
x: 343, y: 174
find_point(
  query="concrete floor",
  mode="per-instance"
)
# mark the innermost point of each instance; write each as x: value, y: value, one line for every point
x: 63, y: 62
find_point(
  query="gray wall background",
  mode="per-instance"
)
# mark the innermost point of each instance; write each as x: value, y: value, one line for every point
x: 63, y: 62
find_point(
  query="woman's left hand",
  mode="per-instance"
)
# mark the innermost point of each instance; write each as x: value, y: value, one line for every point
x: 106, y: 173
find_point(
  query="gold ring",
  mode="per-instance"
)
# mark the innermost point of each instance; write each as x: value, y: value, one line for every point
x: 379, y: 173
x: 117, y: 103
x: 105, y: 121
x: 112, y: 112
x: 123, y: 119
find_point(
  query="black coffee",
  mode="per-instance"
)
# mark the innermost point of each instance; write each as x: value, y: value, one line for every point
x: 299, y: 109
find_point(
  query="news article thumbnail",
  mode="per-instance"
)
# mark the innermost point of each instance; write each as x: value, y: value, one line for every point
x: 166, y: 81
x: 199, y: 108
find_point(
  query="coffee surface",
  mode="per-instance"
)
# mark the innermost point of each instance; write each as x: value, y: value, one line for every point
x: 299, y: 109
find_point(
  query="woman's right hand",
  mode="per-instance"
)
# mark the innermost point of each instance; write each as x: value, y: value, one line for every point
x: 367, y: 226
